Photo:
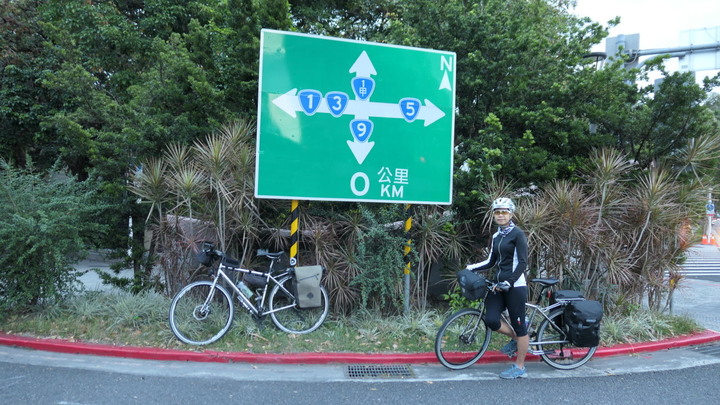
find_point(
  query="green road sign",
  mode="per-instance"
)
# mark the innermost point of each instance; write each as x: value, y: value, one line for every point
x: 342, y: 120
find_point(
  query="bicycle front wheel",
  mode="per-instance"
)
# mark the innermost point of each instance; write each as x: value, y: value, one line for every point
x: 201, y: 314
x: 557, y: 350
x: 290, y: 318
x: 462, y: 339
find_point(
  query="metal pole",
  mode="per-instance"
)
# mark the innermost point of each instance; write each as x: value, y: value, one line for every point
x: 710, y: 213
x: 406, y: 255
x: 294, y: 222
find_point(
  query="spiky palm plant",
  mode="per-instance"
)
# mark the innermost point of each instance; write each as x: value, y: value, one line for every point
x: 614, y: 235
x: 203, y: 192
x: 435, y: 239
x: 659, y: 215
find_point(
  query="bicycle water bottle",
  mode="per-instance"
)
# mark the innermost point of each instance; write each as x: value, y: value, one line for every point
x: 245, y: 289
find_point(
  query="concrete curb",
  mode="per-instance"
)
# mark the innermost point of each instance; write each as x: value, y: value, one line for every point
x: 148, y: 353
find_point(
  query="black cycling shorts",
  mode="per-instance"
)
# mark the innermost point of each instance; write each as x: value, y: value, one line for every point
x: 514, y: 300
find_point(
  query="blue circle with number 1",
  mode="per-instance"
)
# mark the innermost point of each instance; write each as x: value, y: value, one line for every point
x: 310, y: 100
x: 363, y: 87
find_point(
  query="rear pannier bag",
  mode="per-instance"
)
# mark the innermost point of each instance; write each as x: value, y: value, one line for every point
x: 472, y: 284
x: 571, y: 295
x: 307, y: 286
x: 582, y: 320
x: 565, y: 295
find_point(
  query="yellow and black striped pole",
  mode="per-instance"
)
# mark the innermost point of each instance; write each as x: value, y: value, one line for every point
x: 406, y: 255
x: 294, y: 222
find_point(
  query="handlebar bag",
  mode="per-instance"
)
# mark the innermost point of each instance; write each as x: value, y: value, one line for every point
x: 582, y: 319
x: 473, y: 285
x: 307, y: 286
x: 204, y: 258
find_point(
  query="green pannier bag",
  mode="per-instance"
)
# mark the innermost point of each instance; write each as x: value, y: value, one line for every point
x: 307, y: 286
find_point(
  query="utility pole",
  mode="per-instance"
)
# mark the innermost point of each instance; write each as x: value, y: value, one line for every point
x: 708, y: 236
x: 627, y: 47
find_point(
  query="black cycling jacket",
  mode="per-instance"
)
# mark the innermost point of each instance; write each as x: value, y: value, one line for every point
x: 509, y: 252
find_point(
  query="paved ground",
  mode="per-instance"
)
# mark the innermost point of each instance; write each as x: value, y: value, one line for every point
x: 90, y: 279
x: 699, y: 298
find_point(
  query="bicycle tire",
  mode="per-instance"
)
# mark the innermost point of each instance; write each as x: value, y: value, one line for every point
x: 462, y: 339
x: 563, y: 355
x: 294, y: 319
x: 195, y: 323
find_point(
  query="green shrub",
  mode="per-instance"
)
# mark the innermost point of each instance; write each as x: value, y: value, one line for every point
x: 457, y: 301
x: 381, y: 260
x: 44, y: 224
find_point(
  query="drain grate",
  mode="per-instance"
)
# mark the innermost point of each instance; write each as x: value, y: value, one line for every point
x: 379, y: 371
x: 713, y: 350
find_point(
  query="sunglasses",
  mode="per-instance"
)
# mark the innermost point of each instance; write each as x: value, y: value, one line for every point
x: 501, y: 212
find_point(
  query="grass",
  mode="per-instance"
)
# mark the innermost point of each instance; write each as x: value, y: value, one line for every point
x: 141, y: 320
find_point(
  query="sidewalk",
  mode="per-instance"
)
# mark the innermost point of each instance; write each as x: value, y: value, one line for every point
x: 699, y: 298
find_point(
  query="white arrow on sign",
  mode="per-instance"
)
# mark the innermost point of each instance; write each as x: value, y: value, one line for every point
x: 429, y: 113
x: 360, y: 149
x: 363, y: 67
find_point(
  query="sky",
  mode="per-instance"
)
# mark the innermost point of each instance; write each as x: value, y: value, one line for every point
x: 659, y: 22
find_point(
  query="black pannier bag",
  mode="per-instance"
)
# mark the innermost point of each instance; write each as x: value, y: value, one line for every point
x: 570, y: 295
x: 307, y: 286
x: 472, y: 284
x: 582, y: 320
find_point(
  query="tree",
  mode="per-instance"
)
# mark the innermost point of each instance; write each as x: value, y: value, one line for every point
x: 103, y: 85
x: 23, y: 100
x: 352, y: 19
x: 654, y: 122
x: 520, y: 70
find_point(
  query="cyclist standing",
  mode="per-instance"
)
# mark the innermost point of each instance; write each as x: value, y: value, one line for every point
x: 508, y: 253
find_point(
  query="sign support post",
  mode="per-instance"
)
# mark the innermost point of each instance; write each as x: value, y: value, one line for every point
x: 406, y: 254
x: 294, y: 226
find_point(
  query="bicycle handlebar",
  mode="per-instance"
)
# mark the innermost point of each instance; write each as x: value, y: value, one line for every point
x: 501, y: 286
x: 208, y: 249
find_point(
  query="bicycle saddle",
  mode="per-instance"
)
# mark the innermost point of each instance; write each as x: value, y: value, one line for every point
x: 269, y: 255
x: 547, y: 282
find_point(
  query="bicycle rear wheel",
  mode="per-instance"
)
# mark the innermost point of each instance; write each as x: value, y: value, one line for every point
x: 290, y: 318
x: 462, y: 339
x: 201, y: 314
x: 561, y: 353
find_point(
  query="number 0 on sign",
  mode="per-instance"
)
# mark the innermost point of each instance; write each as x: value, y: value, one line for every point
x: 342, y: 120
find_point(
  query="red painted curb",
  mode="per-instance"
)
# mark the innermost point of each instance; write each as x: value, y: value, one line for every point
x: 149, y: 353
x: 699, y: 338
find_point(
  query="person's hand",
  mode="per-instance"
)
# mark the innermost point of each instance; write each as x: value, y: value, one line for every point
x: 503, y: 285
